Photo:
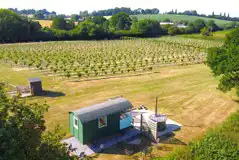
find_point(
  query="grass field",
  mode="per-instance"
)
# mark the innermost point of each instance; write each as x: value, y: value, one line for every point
x: 180, y: 17
x: 187, y: 93
x: 45, y: 23
x: 217, y: 36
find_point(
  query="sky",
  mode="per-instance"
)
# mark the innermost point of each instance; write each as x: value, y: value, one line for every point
x: 74, y: 6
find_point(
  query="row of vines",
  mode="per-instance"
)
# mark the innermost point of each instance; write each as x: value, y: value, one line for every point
x: 101, y: 58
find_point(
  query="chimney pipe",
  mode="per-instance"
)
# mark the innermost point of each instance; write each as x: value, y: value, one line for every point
x: 156, y: 107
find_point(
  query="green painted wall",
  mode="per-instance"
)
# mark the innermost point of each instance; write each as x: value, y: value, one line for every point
x: 71, y: 122
x: 77, y: 133
x: 92, y: 132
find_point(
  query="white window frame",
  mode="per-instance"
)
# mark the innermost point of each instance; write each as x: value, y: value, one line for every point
x: 105, y: 123
x: 76, y: 126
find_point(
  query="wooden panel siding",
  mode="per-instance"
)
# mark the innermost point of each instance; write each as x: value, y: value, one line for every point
x: 92, y: 132
x: 77, y: 133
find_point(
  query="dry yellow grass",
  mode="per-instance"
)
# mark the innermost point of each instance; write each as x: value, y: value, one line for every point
x: 47, y: 23
x: 44, y: 23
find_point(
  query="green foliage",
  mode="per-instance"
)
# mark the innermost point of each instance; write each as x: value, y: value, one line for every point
x: 212, y: 25
x: 59, y: 23
x: 218, y: 144
x: 88, y: 29
x: 199, y: 24
x: 70, y: 25
x: 225, y: 61
x: 206, y: 31
x: 173, y: 30
x: 39, y: 15
x: 22, y: 132
x: 146, y: 27
x: 98, y: 19
x: 166, y: 20
x: 14, y: 28
x: 75, y: 17
x: 120, y: 21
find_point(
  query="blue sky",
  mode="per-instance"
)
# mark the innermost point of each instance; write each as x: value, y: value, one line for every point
x: 74, y: 6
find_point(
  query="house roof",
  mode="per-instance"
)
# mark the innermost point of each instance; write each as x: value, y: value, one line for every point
x: 34, y: 79
x: 102, y: 109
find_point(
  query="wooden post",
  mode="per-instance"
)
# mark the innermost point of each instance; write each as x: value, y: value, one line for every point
x: 156, y: 107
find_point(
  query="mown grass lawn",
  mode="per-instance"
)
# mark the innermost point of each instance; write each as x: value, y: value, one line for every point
x: 187, y: 93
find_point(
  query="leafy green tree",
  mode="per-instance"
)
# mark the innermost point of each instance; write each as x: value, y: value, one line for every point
x: 14, y: 28
x: 120, y: 21
x: 39, y: 15
x: 22, y: 132
x: 88, y: 29
x: 166, y: 20
x: 212, y: 25
x: 206, y: 31
x: 225, y: 61
x: 199, y: 24
x: 70, y: 25
x: 98, y: 20
x: 146, y: 27
x: 173, y: 30
x: 59, y: 23
x: 75, y: 17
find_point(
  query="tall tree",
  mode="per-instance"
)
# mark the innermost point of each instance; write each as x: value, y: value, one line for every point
x: 120, y: 21
x: 199, y: 24
x: 58, y: 23
x: 224, y: 61
x: 22, y: 132
x: 14, y: 28
x: 146, y: 27
x: 212, y: 25
x: 75, y: 17
x: 39, y: 15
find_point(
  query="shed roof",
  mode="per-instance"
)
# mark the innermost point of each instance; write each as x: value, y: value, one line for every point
x: 102, y: 109
x: 34, y: 79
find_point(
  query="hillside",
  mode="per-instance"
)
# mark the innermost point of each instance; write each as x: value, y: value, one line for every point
x: 217, y: 36
x: 173, y: 17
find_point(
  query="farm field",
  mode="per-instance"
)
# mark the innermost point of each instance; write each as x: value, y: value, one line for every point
x: 180, y: 17
x: 44, y: 23
x: 217, y: 36
x: 47, y: 23
x: 187, y: 93
x: 96, y: 59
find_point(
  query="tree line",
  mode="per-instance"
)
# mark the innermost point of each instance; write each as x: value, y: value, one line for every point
x: 15, y: 28
x: 44, y: 14
x: 36, y: 14
x: 222, y: 16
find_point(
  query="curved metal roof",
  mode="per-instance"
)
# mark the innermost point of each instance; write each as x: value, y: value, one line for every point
x: 102, y: 109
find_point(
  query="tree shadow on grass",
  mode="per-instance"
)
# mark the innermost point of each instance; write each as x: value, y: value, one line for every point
x: 52, y: 94
x: 122, y: 148
x: 170, y: 139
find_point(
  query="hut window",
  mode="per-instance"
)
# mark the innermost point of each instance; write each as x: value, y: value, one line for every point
x: 102, y: 122
x: 75, y: 122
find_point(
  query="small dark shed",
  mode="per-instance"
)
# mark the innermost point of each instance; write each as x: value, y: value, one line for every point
x: 35, y: 86
x: 97, y: 121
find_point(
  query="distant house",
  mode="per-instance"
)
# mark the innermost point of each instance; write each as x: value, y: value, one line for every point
x: 181, y: 26
x: 100, y: 120
x: 166, y: 23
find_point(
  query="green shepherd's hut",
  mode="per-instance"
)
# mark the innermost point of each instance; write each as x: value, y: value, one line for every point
x: 100, y: 120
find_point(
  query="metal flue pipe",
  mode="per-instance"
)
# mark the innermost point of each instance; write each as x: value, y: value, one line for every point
x: 156, y: 106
